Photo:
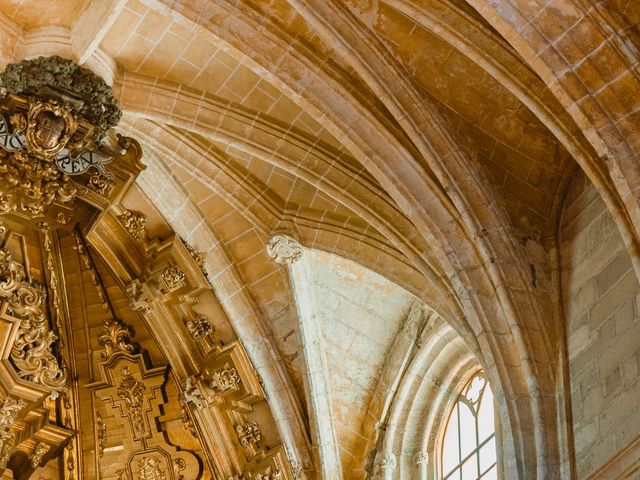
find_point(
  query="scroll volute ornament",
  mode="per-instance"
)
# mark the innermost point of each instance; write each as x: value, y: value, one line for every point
x: 31, y: 353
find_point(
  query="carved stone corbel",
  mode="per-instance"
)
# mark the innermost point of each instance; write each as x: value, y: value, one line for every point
x: 284, y: 249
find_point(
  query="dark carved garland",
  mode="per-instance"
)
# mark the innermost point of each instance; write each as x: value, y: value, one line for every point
x: 88, y: 94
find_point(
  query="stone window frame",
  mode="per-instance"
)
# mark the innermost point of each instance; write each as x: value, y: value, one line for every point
x: 461, y: 397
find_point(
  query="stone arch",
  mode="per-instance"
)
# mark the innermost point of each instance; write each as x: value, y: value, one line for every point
x: 498, y: 309
x: 587, y: 63
x: 418, y: 411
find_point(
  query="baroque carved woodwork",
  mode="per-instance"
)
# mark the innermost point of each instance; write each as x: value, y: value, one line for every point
x: 134, y: 223
x: 133, y: 391
x: 56, y: 139
x: 118, y: 361
x: 199, y: 327
x: 32, y: 351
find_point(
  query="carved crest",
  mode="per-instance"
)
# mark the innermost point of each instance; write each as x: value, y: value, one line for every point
x: 51, y: 128
x: 284, y: 249
x: 50, y: 125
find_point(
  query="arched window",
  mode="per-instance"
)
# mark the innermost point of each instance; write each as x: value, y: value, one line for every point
x: 469, y: 444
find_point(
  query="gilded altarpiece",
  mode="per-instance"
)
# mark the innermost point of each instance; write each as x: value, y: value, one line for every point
x: 117, y: 361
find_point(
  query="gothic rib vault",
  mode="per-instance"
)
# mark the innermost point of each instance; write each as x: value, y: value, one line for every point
x: 458, y: 161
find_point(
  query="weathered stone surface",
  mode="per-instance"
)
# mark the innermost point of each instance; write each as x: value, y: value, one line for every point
x: 602, y: 345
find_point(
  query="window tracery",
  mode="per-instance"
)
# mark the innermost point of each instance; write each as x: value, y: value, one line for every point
x: 469, y: 445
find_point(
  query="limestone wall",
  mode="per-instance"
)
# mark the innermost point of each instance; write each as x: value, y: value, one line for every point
x: 601, y: 304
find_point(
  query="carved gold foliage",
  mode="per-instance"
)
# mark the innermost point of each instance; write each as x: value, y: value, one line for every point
x: 131, y: 391
x: 88, y: 265
x: 186, y: 419
x: 30, y: 185
x: 63, y: 218
x: 32, y: 350
x: 200, y: 327
x: 11, y: 273
x: 172, y: 277
x: 7, y: 440
x: 116, y: 337
x: 134, y: 223
x: 149, y: 469
x: 38, y: 454
x: 224, y: 379
x: 178, y: 466
x: 31, y: 353
x: 101, y: 428
x: 99, y: 183
x: 248, y: 434
x: 9, y: 412
x: 30, y: 181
